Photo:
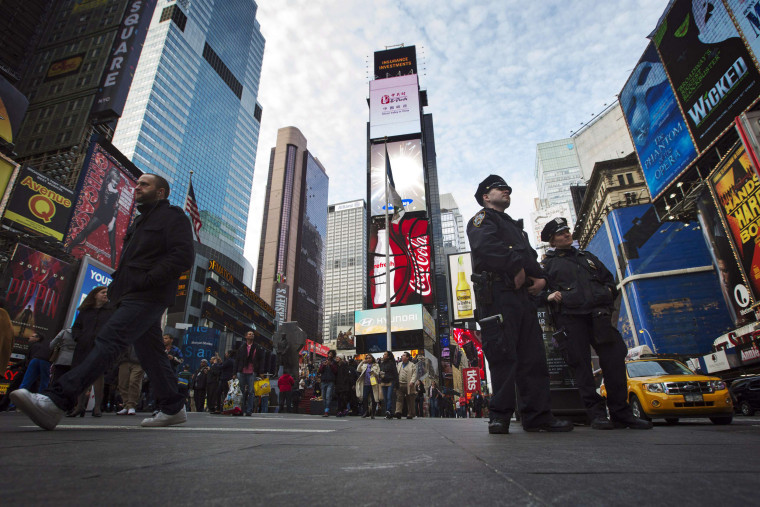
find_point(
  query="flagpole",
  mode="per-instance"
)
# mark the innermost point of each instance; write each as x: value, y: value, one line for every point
x: 387, y: 259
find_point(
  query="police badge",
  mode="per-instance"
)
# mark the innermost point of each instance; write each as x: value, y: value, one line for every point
x: 477, y: 220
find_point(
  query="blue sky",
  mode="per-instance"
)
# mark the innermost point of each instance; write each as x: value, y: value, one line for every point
x: 502, y: 76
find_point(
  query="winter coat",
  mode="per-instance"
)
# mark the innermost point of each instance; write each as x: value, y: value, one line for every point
x: 375, y: 372
x: 158, y: 248
x: 244, y: 358
x: 584, y: 282
x: 328, y: 370
x: 86, y: 328
x: 344, y: 381
x: 388, y: 372
x: 65, y: 341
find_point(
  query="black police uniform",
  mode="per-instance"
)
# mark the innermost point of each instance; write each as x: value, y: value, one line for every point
x: 588, y: 292
x: 514, y: 349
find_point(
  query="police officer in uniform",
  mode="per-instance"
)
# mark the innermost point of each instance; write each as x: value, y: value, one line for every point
x: 506, y: 277
x: 581, y: 291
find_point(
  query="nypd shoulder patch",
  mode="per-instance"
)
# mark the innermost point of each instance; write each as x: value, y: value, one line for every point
x: 477, y: 220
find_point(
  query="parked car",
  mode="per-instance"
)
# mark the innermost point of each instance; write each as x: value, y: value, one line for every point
x: 668, y: 389
x: 746, y: 393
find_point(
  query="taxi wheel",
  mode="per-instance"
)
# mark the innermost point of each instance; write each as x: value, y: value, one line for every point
x: 637, y: 410
x: 671, y: 420
x: 722, y: 420
x: 747, y: 409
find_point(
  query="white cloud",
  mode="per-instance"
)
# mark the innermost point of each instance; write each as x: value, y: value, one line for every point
x: 501, y: 77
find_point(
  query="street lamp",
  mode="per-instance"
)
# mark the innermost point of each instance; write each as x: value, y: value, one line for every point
x: 651, y: 340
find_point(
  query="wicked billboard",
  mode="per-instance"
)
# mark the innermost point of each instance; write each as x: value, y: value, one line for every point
x: 736, y: 189
x: 710, y: 69
x: 40, y: 204
x: 35, y: 287
x: 105, y: 204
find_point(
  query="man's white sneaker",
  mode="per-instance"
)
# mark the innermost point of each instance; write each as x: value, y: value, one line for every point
x: 131, y: 412
x: 39, y: 408
x: 123, y: 411
x: 161, y: 419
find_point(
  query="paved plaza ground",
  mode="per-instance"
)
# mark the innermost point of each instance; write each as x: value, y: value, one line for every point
x: 291, y: 459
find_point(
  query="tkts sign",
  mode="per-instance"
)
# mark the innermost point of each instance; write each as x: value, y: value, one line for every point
x: 471, y: 380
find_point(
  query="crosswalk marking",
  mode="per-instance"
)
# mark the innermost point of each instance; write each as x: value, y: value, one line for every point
x: 184, y: 428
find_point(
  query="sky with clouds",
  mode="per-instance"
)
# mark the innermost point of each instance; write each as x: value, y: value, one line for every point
x: 501, y: 76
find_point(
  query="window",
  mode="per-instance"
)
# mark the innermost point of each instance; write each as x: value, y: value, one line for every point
x: 629, y: 177
x: 621, y: 180
x: 195, y: 300
x: 200, y: 275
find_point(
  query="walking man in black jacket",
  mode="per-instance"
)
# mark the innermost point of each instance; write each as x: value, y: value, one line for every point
x: 158, y: 247
x: 582, y: 291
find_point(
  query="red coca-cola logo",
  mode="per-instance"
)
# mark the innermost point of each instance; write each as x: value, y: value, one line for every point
x: 420, y: 281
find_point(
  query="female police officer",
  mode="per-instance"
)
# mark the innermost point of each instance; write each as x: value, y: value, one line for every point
x: 582, y: 291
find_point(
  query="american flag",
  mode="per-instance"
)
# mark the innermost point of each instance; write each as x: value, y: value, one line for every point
x: 191, y: 206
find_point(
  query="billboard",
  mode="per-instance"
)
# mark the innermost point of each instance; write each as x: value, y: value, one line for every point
x: 746, y: 14
x: 13, y: 106
x: 471, y: 381
x: 199, y: 343
x: 105, y: 204
x: 462, y: 297
x: 8, y: 175
x: 736, y: 189
x: 34, y: 286
x: 394, y: 107
x: 403, y: 318
x: 409, y: 275
x: 65, y: 67
x: 345, y: 339
x: 91, y: 274
x: 40, y: 204
x: 709, y: 67
x: 121, y: 64
x: 735, y: 292
x: 657, y: 128
x: 395, y: 62
x: 408, y: 175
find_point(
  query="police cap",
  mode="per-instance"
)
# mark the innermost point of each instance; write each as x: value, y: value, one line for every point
x: 489, y: 183
x: 553, y: 227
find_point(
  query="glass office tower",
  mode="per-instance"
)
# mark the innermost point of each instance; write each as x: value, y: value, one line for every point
x: 192, y: 107
x: 557, y: 169
x: 310, y: 274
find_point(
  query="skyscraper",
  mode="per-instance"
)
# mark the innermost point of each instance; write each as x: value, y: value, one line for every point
x: 290, y: 274
x: 192, y: 107
x: 452, y: 225
x: 557, y: 168
x: 345, y: 283
x: 61, y: 76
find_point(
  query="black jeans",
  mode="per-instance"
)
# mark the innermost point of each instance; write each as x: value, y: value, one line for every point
x: 135, y: 323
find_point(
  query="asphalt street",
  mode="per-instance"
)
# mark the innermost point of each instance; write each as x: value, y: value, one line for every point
x: 290, y: 459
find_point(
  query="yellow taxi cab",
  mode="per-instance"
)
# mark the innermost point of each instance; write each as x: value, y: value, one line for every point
x: 668, y: 389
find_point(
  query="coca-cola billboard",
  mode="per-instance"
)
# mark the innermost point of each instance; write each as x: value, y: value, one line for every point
x: 409, y: 258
